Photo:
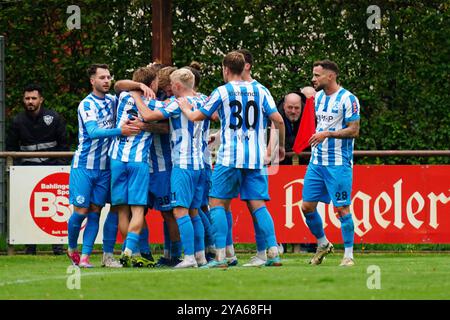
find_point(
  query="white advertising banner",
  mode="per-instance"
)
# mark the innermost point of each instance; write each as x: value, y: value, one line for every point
x: 39, y: 207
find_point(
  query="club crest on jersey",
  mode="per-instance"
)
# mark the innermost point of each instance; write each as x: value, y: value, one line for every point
x: 80, y: 199
x: 48, y: 120
x: 335, y: 108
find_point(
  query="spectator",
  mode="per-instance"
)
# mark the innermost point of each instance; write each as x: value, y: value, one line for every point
x: 37, y: 129
x: 290, y: 108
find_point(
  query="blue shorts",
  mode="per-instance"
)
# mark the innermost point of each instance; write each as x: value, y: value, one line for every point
x: 205, y: 182
x: 326, y: 183
x: 185, y: 187
x: 228, y: 183
x: 129, y: 183
x: 88, y: 186
x: 159, y: 197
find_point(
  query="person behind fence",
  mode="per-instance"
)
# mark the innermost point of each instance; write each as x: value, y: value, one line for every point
x: 290, y: 107
x: 90, y: 174
x: 37, y: 129
x: 329, y: 173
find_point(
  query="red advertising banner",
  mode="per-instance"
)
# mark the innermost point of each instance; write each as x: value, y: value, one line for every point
x: 390, y: 204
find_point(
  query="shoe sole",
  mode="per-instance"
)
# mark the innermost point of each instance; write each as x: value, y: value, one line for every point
x: 88, y: 266
x: 222, y: 266
x: 141, y: 265
x: 187, y: 267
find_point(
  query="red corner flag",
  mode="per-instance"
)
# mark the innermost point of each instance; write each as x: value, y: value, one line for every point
x: 307, y: 127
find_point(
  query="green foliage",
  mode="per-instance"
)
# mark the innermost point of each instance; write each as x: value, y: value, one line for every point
x: 399, y: 72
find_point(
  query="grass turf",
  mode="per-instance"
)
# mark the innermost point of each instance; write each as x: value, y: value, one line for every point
x: 403, y: 276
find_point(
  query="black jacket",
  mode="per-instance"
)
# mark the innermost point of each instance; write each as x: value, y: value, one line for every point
x: 46, y: 132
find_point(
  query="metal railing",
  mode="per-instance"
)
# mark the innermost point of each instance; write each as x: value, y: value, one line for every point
x: 379, y: 153
x: 307, y: 154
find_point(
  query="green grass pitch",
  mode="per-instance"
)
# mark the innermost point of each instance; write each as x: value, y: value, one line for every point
x: 401, y: 276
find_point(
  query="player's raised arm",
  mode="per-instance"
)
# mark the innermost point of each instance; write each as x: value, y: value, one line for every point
x: 129, y: 85
x: 155, y: 127
x: 144, y: 110
x: 186, y: 108
x: 95, y: 132
x: 89, y: 117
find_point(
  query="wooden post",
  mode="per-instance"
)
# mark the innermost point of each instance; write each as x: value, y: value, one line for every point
x: 162, y: 31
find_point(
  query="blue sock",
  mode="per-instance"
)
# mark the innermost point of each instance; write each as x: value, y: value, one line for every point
x: 74, y: 226
x: 167, y: 241
x: 187, y: 234
x: 90, y: 232
x: 220, y: 223
x: 230, y: 228
x: 199, y: 233
x: 265, y: 223
x: 209, y: 236
x: 259, y: 237
x: 124, y: 245
x: 348, y: 230
x: 175, y: 249
x: 144, y: 247
x: 110, y: 232
x: 132, y: 241
x: 314, y: 222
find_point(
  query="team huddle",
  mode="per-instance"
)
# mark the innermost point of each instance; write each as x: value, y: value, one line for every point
x: 147, y: 147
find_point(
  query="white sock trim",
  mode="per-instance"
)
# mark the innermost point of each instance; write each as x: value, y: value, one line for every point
x: 230, y: 251
x: 262, y: 255
x: 322, y: 241
x: 348, y: 252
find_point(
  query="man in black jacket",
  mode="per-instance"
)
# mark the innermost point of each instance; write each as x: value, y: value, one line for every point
x: 37, y: 129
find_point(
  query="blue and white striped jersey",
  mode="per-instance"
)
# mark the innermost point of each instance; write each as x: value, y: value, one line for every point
x: 93, y: 153
x: 205, y: 127
x: 132, y: 148
x: 333, y: 113
x: 243, y: 108
x: 186, y: 136
x: 160, y: 153
x: 160, y: 157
